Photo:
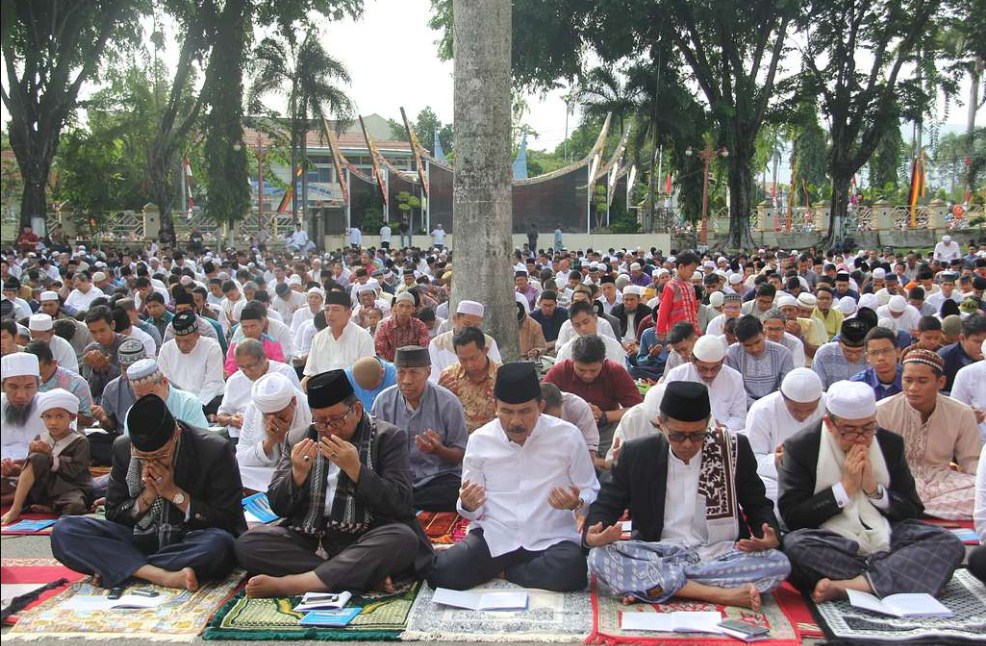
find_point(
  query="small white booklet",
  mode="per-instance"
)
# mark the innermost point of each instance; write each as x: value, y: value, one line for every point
x: 482, y: 600
x: 672, y: 622
x: 125, y: 602
x: 323, y: 601
x: 919, y: 604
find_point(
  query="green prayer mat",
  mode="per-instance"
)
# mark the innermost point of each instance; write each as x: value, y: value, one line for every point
x: 384, y: 618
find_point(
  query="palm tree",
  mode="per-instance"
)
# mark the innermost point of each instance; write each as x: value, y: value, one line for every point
x: 602, y: 92
x: 307, y: 74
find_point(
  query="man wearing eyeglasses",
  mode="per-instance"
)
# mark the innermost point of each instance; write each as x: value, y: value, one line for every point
x: 848, y: 496
x: 344, y: 488
x: 702, y: 527
x: 172, y: 508
x: 884, y: 373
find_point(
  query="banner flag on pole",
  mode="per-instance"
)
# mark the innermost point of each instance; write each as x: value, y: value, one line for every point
x: 375, y: 160
x: 336, y: 161
x: 917, y: 187
x: 286, y: 200
x: 416, y: 151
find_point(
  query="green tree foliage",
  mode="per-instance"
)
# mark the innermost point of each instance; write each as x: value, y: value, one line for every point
x: 853, y: 58
x: 51, y: 48
x: 886, y: 162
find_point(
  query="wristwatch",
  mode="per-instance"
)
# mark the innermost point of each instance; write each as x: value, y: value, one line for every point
x: 178, y: 498
x: 877, y: 493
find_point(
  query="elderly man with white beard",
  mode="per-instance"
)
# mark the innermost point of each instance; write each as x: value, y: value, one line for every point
x: 18, y: 403
x: 799, y: 403
x: 278, y: 409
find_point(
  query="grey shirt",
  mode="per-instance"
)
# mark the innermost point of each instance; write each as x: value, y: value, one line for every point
x: 439, y: 410
x: 831, y: 365
x: 761, y: 375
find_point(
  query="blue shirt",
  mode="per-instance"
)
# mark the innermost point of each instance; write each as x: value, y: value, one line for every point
x: 881, y: 389
x: 367, y: 397
x: 182, y: 406
x: 551, y: 326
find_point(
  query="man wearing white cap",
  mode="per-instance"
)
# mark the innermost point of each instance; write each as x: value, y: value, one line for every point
x: 314, y: 299
x: 278, y: 409
x: 146, y: 378
x: 772, y: 419
x: 904, y: 316
x: 725, y: 385
x: 18, y: 410
x: 467, y: 314
x: 56, y: 472
x: 630, y: 313
x: 848, y: 497
x: 947, y: 250
x: 43, y: 328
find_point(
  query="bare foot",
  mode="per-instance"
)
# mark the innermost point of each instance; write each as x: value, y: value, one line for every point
x: 826, y: 590
x: 10, y: 517
x: 41, y: 509
x: 386, y: 586
x: 745, y: 597
x: 183, y: 579
x: 291, y: 585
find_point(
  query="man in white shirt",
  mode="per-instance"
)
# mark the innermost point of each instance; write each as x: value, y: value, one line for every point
x: 968, y: 388
x: 725, y: 384
x: 947, y: 250
x: 43, y: 328
x: 904, y: 316
x: 21, y: 374
x: 775, y: 329
x: 525, y: 477
x: 278, y: 409
x: 342, y: 343
x: 355, y: 237
x: 585, y: 322
x: 438, y: 236
x: 772, y: 419
x: 194, y: 363
x: 385, y: 234
x: 298, y: 241
x: 468, y: 314
x: 252, y: 364
x: 84, y: 293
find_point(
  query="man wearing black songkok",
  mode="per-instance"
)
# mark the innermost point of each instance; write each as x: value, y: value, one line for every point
x: 172, y: 507
x: 703, y: 528
x: 343, y: 485
x: 526, y: 477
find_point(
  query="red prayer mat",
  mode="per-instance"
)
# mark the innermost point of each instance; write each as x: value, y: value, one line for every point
x: 443, y: 527
x: 13, y: 571
x: 28, y: 516
x: 608, y: 609
x: 796, y: 608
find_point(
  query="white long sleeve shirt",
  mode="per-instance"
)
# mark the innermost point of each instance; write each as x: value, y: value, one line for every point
x: 726, y: 393
x: 200, y: 372
x: 329, y: 353
x: 768, y: 424
x: 969, y: 388
x: 256, y: 467
x: 518, y: 479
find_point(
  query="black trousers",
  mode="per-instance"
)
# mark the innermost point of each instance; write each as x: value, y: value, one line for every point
x: 560, y: 568
x: 96, y: 546
x: 440, y: 494
x: 279, y: 551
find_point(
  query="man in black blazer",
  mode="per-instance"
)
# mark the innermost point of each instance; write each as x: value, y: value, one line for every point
x: 172, y: 507
x: 694, y: 496
x: 848, y: 496
x: 343, y: 486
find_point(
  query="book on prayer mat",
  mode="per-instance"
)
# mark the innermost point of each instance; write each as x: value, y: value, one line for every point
x: 26, y: 526
x: 919, y: 604
x: 101, y: 602
x: 258, y: 506
x: 672, y: 622
x: 323, y: 601
x: 500, y: 600
x: 332, y: 618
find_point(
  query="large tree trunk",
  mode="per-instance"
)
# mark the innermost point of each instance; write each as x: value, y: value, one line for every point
x: 482, y: 195
x: 34, y: 199
x: 839, y: 211
x: 740, y: 201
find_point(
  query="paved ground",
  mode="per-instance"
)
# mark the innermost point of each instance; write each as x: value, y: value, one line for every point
x: 40, y: 547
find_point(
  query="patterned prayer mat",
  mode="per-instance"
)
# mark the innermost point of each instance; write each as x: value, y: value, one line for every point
x: 798, y: 610
x: 180, y: 618
x: 608, y: 608
x: 384, y: 618
x: 964, y: 595
x: 550, y: 617
x: 31, y: 572
x: 443, y: 527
